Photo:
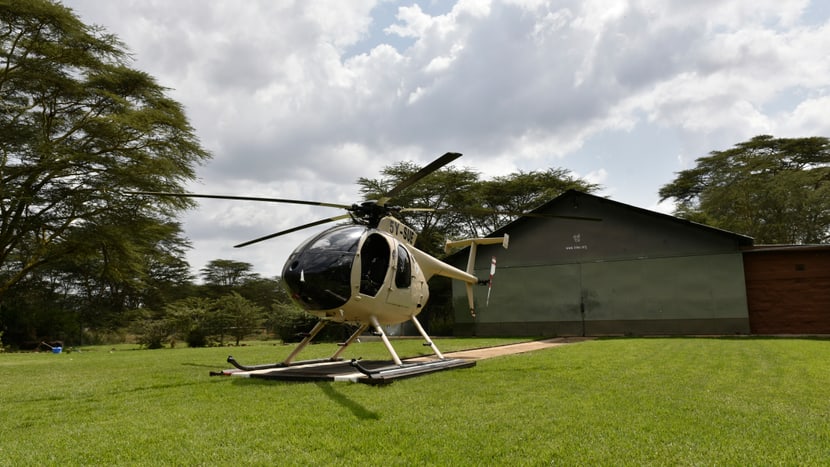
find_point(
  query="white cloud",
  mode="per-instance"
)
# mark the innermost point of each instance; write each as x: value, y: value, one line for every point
x: 276, y: 91
x: 808, y: 119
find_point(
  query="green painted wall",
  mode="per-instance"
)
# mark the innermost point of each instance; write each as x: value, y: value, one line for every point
x: 684, y: 295
x: 635, y: 272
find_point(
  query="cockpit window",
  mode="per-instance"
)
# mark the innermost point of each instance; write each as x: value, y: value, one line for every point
x: 403, y: 271
x: 345, y: 239
x: 318, y: 273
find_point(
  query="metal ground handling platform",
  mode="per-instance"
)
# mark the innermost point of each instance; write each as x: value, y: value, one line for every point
x: 360, y: 371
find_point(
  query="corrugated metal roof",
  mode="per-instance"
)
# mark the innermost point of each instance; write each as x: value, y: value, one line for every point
x: 763, y: 248
x: 743, y: 240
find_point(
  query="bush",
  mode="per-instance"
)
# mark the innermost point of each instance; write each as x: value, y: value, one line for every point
x: 290, y: 323
x: 153, y: 333
x: 197, y: 337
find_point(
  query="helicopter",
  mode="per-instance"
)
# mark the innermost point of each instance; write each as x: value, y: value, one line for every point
x: 366, y: 272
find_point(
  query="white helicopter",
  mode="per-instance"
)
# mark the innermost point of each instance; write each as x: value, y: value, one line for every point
x: 367, y: 272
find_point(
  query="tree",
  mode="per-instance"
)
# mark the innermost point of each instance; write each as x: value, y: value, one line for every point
x: 237, y: 316
x: 503, y: 198
x: 227, y: 273
x: 776, y: 190
x: 441, y: 190
x: 189, y: 319
x: 466, y: 206
x: 263, y: 291
x: 78, y: 129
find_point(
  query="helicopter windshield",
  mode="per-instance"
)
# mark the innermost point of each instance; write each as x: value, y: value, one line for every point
x: 318, y: 272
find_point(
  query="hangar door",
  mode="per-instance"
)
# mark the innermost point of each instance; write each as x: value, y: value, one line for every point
x: 682, y: 295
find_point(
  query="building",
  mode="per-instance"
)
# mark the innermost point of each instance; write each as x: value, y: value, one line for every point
x: 788, y: 289
x: 622, y: 270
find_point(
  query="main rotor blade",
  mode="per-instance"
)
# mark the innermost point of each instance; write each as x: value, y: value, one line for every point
x: 294, y: 229
x: 240, y: 198
x: 488, y: 212
x: 557, y: 216
x: 419, y: 210
x: 432, y: 167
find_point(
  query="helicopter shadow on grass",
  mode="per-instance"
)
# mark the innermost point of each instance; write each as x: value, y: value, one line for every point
x: 328, y: 389
x: 356, y: 408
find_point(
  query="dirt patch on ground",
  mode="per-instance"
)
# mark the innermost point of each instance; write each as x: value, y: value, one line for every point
x: 489, y: 352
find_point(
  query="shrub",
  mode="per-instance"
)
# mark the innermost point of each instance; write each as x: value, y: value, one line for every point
x: 153, y: 333
x: 290, y: 323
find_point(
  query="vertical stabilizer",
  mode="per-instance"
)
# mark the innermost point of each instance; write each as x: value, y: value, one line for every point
x: 471, y: 259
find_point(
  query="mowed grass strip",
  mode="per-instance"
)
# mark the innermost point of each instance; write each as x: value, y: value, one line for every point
x: 679, y: 401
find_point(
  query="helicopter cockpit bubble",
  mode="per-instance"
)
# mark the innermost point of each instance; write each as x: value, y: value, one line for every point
x: 318, y: 273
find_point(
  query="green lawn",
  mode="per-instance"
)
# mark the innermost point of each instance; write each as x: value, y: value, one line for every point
x: 741, y: 401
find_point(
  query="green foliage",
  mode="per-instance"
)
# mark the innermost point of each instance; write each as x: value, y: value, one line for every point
x: 237, y: 316
x: 224, y: 274
x: 504, y: 198
x: 776, y: 190
x: 466, y: 206
x: 153, y: 333
x: 190, y: 319
x: 36, y: 311
x: 676, y: 401
x: 289, y: 322
x: 263, y: 291
x: 201, y: 321
x: 79, y: 128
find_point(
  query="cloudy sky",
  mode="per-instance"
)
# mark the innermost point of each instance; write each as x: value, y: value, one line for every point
x: 297, y: 99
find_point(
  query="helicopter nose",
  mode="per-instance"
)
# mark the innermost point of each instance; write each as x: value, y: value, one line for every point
x: 319, y: 280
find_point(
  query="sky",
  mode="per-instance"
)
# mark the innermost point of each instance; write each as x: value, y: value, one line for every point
x: 299, y: 98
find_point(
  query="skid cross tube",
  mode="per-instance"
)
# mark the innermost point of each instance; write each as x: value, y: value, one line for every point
x: 306, y: 340
x: 348, y: 342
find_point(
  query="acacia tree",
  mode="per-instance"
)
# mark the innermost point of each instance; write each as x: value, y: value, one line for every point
x: 504, y: 198
x: 776, y: 190
x: 222, y: 276
x: 464, y: 205
x: 441, y: 190
x: 237, y: 316
x: 78, y: 128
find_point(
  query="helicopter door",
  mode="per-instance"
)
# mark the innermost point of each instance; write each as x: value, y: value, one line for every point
x: 374, y: 261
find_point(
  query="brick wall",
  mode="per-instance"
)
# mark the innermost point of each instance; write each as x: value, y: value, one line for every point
x: 788, y: 290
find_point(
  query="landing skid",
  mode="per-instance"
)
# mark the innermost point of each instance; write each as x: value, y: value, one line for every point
x: 271, y: 366
x: 373, y: 372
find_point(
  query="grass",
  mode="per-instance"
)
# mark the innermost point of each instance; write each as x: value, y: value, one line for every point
x: 679, y: 401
